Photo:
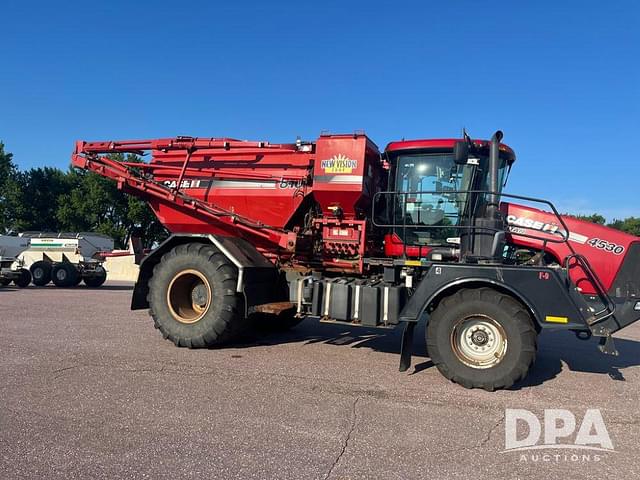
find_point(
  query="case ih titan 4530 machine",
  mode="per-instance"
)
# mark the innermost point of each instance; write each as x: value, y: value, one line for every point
x: 335, y: 230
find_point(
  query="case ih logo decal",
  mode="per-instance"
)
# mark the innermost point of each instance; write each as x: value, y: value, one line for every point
x: 339, y: 164
x: 184, y: 184
x: 530, y: 223
x: 519, y: 225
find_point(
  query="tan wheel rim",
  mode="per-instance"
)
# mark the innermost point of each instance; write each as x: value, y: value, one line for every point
x: 479, y: 341
x: 189, y: 296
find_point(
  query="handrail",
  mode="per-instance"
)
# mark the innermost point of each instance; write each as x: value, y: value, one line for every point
x: 609, y: 305
x: 564, y: 234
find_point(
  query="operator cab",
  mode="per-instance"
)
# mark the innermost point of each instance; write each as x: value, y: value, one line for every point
x: 431, y: 192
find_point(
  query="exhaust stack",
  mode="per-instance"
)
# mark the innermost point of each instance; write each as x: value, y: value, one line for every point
x: 494, y: 169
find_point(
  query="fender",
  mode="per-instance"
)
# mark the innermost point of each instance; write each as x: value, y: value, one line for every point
x: 476, y: 282
x: 255, y: 272
x: 542, y: 290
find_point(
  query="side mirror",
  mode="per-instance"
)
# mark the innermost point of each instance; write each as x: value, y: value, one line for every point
x: 461, y: 152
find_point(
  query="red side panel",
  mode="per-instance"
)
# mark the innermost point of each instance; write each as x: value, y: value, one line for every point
x: 345, y: 174
x: 262, y: 187
x: 394, y: 247
x: 604, y: 247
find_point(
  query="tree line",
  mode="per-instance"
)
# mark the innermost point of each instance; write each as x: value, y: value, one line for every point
x: 49, y: 199
x: 52, y: 200
x: 629, y: 225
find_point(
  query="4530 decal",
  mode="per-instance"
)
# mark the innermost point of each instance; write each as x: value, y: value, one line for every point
x: 606, y: 246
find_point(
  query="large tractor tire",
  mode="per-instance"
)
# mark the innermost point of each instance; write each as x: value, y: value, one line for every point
x: 40, y: 273
x: 481, y: 338
x: 96, y: 280
x: 64, y: 275
x: 24, y: 279
x: 193, y: 299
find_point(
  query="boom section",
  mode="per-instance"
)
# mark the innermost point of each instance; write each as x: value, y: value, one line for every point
x: 181, y: 158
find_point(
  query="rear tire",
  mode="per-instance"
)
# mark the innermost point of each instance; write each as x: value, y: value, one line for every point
x: 24, y: 279
x: 64, y: 275
x: 193, y: 298
x: 99, y: 277
x: 41, y: 273
x: 4, y: 281
x: 481, y: 338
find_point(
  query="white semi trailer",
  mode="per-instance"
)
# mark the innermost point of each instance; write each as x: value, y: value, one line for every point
x: 67, y: 258
x: 11, y: 268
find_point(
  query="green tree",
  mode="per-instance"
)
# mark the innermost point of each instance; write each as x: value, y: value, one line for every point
x: 630, y: 225
x: 593, y: 218
x: 8, y: 172
x: 94, y: 203
x: 35, y: 200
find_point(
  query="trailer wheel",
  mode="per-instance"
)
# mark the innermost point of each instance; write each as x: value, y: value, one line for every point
x: 24, y: 279
x: 4, y: 281
x: 193, y: 298
x: 481, y: 338
x: 41, y: 273
x: 96, y: 280
x: 64, y: 275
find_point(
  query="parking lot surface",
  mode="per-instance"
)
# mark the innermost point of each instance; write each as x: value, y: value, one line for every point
x: 88, y: 389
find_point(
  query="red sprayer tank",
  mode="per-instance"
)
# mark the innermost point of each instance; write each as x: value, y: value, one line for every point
x: 266, y: 193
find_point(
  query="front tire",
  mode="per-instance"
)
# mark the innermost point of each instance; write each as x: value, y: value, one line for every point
x: 193, y: 298
x: 24, y: 279
x: 481, y: 338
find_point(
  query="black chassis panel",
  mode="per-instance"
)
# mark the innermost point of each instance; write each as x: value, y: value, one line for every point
x: 545, y: 291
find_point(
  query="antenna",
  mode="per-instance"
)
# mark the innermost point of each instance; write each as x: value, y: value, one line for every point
x: 466, y: 136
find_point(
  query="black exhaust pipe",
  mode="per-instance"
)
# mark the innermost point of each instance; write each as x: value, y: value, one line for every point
x: 485, y: 241
x: 494, y: 174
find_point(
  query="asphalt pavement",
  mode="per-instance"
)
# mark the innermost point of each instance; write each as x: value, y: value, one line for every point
x: 88, y: 389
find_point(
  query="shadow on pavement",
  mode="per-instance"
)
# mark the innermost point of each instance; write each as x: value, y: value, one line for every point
x: 108, y: 287
x: 555, y: 349
x: 8, y: 288
x: 558, y: 348
x: 82, y: 287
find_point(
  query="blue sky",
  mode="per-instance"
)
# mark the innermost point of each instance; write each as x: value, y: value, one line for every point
x: 561, y: 79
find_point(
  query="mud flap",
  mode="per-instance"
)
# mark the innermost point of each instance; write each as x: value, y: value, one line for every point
x: 407, y: 346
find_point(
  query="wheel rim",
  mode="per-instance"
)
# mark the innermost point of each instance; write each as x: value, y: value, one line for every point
x: 189, y: 296
x: 479, y: 341
x: 61, y: 274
